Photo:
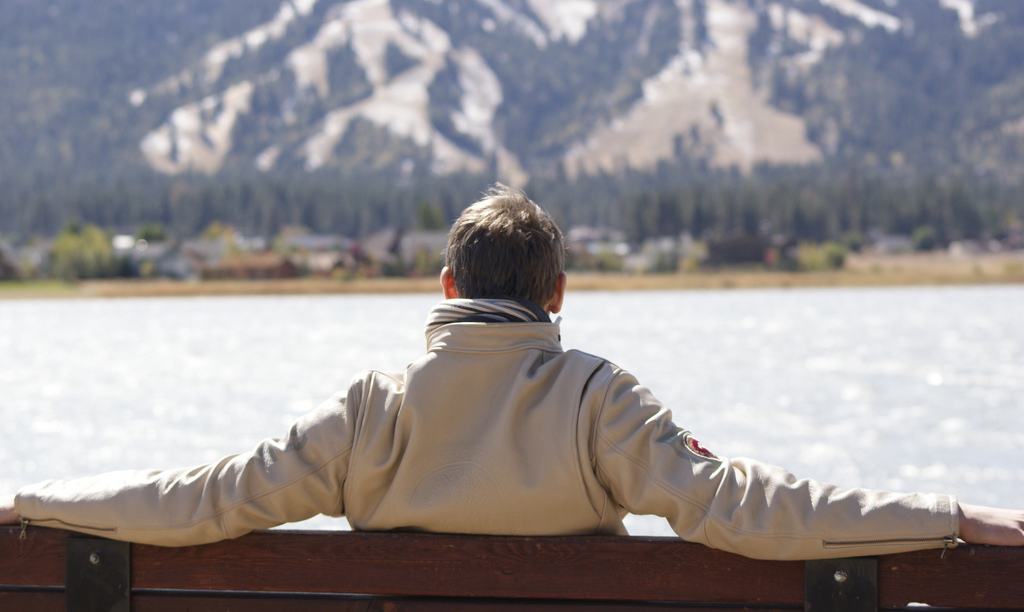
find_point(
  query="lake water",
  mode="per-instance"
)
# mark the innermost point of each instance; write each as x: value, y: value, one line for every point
x: 899, y: 389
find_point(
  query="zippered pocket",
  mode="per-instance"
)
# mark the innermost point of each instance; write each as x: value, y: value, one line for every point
x: 947, y: 541
x: 58, y: 524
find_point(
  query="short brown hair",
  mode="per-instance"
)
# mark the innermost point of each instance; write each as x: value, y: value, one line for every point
x: 505, y: 246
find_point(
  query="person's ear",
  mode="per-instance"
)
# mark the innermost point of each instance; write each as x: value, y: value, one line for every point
x: 448, y: 284
x: 555, y: 303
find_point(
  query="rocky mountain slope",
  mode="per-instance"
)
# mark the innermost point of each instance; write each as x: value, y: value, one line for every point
x: 520, y: 88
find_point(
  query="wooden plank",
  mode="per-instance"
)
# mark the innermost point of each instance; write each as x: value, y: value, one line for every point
x: 967, y: 576
x: 36, y: 601
x: 206, y: 602
x: 34, y: 561
x: 416, y: 565
x: 413, y: 568
x: 150, y: 602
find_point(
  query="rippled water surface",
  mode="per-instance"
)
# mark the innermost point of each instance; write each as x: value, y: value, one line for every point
x: 902, y: 389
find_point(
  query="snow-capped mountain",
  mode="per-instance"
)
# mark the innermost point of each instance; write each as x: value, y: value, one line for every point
x: 697, y: 95
x: 546, y: 86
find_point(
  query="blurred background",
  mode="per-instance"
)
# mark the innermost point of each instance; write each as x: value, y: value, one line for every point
x: 215, y: 139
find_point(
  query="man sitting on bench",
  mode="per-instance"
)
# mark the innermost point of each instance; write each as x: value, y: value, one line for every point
x: 498, y: 430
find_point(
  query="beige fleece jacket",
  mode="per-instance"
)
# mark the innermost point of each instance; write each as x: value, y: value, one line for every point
x: 496, y: 430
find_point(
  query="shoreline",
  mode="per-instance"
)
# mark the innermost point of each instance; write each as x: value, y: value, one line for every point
x: 859, y: 271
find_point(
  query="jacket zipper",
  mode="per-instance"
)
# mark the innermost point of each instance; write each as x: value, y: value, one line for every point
x: 947, y: 541
x: 59, y: 523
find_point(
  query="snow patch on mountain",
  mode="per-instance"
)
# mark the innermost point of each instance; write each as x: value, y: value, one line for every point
x: 402, y: 104
x: 868, y: 16
x: 213, y: 62
x: 809, y: 30
x: 1013, y: 128
x: 197, y: 136
x: 399, y: 104
x: 309, y: 62
x: 508, y: 16
x: 565, y: 18
x: 304, y: 7
x: 369, y: 26
x: 703, y: 106
x: 965, y: 11
x: 196, y: 139
x: 481, y: 97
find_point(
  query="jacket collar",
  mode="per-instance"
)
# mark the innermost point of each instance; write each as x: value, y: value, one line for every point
x: 495, y: 337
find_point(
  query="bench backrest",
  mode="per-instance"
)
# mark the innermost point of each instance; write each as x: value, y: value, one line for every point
x: 312, y: 570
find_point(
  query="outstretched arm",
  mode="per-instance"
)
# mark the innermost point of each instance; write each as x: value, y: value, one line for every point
x: 7, y: 514
x: 281, y: 480
x: 651, y: 466
x: 997, y: 526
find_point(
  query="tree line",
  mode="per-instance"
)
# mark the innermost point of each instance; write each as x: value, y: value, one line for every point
x: 804, y: 204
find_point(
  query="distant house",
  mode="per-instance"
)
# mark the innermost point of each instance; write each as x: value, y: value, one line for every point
x: 596, y: 239
x: 739, y: 249
x: 206, y: 251
x: 166, y: 260
x: 155, y: 259
x: 596, y: 248
x: 400, y: 252
x: 318, y: 254
x: 317, y: 243
x: 891, y: 243
x: 964, y: 248
x: 433, y: 242
x: 251, y: 266
x: 381, y: 247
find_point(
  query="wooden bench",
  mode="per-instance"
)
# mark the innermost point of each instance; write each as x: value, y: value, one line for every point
x: 318, y: 570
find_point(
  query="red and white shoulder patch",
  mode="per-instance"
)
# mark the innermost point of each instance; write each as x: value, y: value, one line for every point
x: 695, y: 446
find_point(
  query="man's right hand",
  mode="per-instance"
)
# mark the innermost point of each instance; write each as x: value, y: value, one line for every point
x: 7, y: 514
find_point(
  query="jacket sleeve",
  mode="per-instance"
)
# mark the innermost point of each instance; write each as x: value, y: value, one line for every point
x: 649, y: 465
x: 281, y: 480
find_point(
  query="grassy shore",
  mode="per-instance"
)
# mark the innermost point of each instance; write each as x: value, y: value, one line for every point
x: 859, y: 271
